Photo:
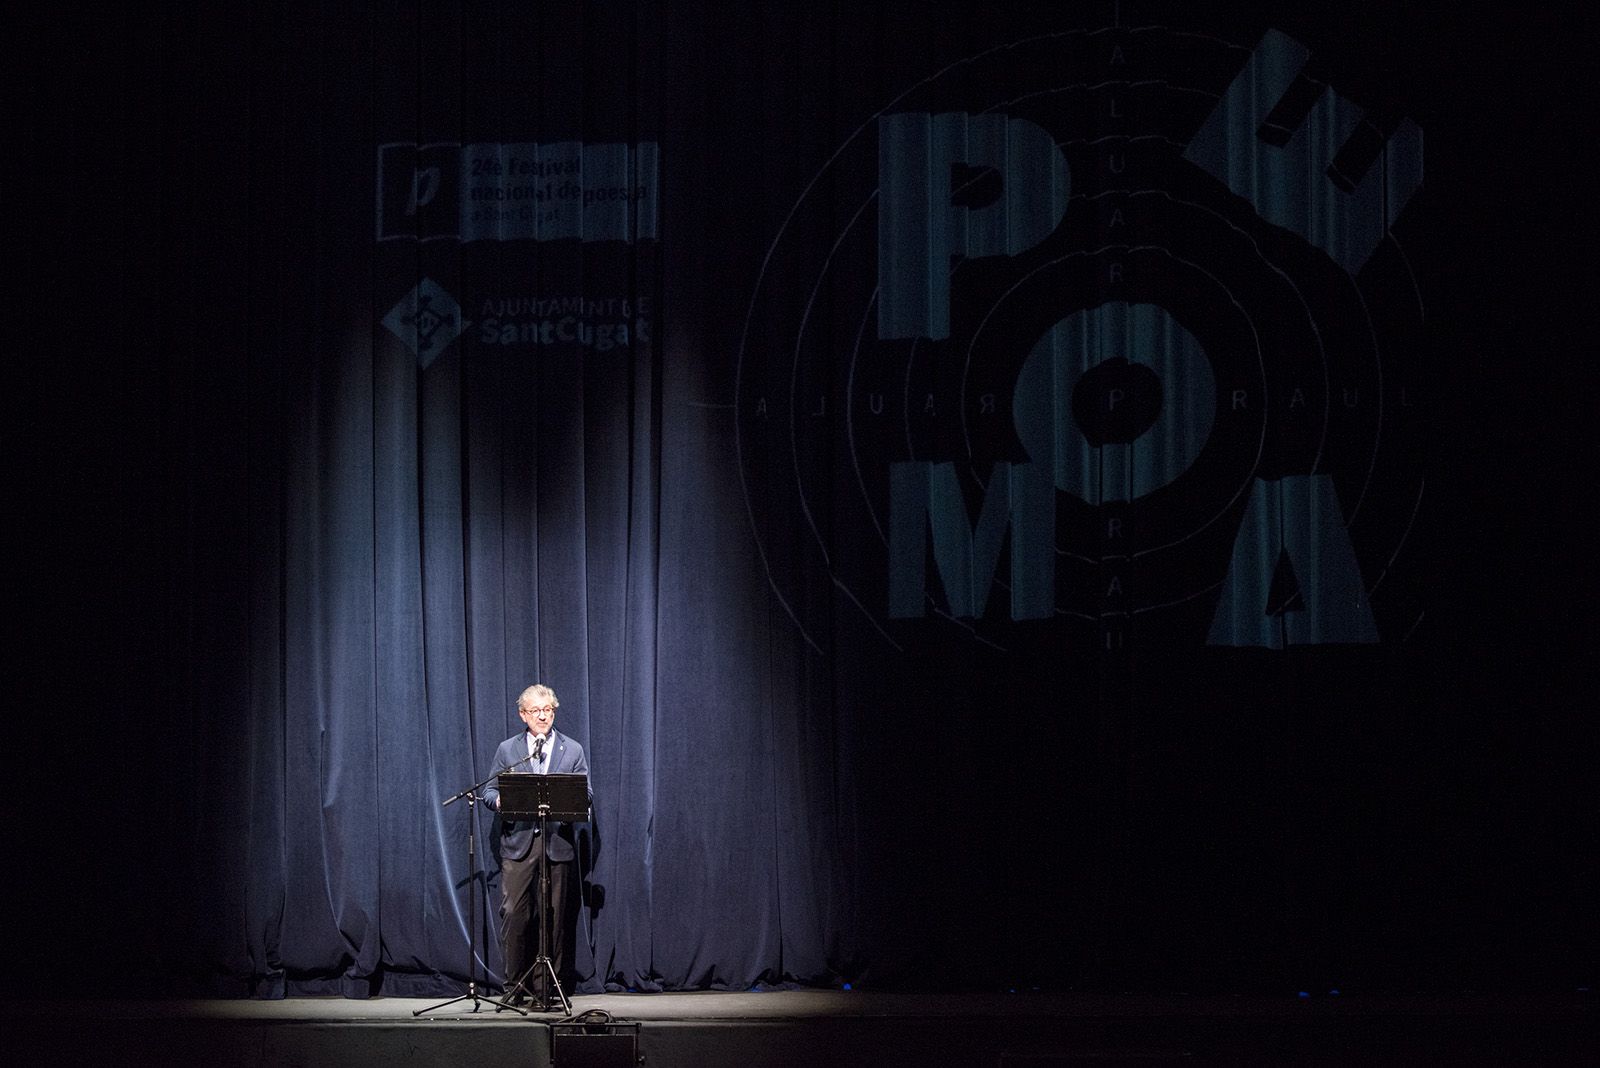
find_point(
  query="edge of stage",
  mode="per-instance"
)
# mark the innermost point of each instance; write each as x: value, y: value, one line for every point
x: 811, y: 1027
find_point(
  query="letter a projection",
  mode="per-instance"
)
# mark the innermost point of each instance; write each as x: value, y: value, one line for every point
x: 1298, y: 517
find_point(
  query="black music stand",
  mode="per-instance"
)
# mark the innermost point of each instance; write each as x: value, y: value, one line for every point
x: 563, y: 797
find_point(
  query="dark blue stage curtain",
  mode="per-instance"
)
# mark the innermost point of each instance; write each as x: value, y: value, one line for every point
x: 1010, y: 495
x: 960, y: 480
x: 389, y: 531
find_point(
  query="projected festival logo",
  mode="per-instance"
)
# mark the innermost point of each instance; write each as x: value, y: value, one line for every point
x: 506, y: 199
x: 1112, y: 328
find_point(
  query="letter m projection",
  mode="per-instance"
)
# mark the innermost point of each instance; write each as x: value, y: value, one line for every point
x: 1294, y: 165
x: 1019, y: 496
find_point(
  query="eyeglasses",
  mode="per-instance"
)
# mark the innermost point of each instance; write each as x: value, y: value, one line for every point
x: 538, y: 711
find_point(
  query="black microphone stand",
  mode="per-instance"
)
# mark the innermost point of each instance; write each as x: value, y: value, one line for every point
x: 472, y: 995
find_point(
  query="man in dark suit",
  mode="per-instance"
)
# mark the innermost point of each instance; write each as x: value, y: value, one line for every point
x: 543, y: 750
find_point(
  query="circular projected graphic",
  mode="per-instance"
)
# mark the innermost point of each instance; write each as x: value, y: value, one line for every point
x: 1119, y: 397
x: 1069, y: 332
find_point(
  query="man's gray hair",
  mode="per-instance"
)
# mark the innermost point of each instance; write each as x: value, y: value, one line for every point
x: 536, y: 696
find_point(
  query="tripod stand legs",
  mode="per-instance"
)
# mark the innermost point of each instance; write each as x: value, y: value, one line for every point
x: 541, y: 969
x: 477, y: 999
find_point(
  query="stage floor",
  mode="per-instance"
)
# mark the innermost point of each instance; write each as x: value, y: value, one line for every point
x: 820, y: 1027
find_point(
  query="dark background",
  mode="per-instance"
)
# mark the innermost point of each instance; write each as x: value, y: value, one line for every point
x: 1397, y: 816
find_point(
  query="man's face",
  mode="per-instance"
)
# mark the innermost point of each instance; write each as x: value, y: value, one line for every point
x: 539, y: 718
